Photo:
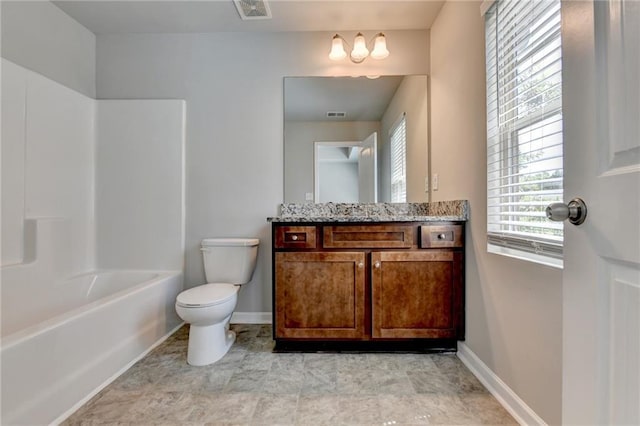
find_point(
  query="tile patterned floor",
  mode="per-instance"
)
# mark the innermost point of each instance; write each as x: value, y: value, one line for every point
x: 253, y: 386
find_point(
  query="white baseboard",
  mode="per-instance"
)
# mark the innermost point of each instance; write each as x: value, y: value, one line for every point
x: 251, y: 318
x: 499, y: 389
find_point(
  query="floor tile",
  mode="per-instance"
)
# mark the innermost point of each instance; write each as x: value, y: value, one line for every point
x: 223, y: 408
x: 358, y: 410
x: 275, y: 410
x: 402, y: 409
x: 283, y: 381
x: 110, y: 405
x: 373, y: 382
x: 161, y: 407
x: 317, y: 410
x: 444, y: 410
x: 319, y: 381
x: 246, y: 381
x: 251, y: 385
x: 485, y: 409
x: 257, y: 361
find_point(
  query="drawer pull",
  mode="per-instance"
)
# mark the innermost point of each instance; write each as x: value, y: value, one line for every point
x: 441, y: 236
x: 299, y: 237
x: 376, y: 265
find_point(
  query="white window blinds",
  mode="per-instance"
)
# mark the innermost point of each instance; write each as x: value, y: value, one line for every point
x: 524, y: 125
x: 398, y: 138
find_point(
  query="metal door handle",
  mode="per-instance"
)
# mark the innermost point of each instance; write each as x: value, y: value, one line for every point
x: 575, y: 211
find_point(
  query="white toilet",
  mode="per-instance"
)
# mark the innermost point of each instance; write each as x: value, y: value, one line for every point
x: 228, y: 263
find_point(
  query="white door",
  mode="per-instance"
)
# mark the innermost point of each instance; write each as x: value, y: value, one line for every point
x: 367, y: 170
x: 601, y: 277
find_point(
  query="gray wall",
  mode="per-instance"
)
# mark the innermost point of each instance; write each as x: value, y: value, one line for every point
x: 339, y: 182
x: 233, y: 85
x: 514, y: 308
x: 39, y: 36
x: 412, y: 99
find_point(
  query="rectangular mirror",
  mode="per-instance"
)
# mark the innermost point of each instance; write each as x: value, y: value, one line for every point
x: 356, y: 139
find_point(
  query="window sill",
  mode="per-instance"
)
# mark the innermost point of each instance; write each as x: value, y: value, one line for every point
x: 526, y: 256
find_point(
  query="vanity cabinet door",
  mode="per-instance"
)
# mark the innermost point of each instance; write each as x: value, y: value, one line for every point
x: 417, y: 294
x: 320, y: 295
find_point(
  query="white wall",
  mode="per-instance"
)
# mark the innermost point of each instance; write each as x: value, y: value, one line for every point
x: 233, y: 85
x: 48, y: 167
x: 410, y: 98
x: 140, y: 185
x: 300, y: 137
x: 14, y: 97
x: 513, y: 308
x: 39, y: 36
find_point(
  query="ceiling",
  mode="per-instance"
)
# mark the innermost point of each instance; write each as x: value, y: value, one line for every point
x: 189, y: 16
x: 363, y: 99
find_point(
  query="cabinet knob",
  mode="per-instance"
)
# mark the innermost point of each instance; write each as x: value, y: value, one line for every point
x: 360, y: 265
x: 294, y: 237
x: 376, y: 265
x: 442, y: 236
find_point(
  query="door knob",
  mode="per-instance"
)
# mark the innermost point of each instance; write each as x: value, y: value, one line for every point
x: 575, y: 211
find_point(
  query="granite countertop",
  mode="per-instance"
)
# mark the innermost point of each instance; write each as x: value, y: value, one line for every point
x: 441, y: 211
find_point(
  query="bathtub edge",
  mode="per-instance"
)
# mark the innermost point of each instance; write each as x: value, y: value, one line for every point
x: 64, y: 416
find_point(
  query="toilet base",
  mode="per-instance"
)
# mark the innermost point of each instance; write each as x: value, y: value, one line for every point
x: 207, y: 344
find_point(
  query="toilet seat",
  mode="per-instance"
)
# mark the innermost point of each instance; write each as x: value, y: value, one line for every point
x: 206, y: 295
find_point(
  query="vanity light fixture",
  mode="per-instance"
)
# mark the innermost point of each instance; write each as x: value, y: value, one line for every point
x: 360, y: 52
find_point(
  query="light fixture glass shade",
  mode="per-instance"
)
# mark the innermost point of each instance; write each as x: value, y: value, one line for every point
x: 337, y: 49
x: 380, y: 48
x: 360, y: 51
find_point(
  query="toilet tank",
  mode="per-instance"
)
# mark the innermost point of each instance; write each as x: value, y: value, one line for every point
x: 229, y: 260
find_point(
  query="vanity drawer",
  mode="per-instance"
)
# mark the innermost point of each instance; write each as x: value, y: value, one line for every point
x: 295, y: 237
x: 369, y: 236
x: 441, y: 236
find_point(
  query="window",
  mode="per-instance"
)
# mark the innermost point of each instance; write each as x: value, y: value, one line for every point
x: 398, y: 138
x: 524, y: 128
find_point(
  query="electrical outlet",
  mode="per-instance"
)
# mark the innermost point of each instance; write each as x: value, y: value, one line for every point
x: 435, y: 181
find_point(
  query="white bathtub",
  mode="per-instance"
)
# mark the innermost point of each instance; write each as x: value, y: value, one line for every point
x: 60, y: 346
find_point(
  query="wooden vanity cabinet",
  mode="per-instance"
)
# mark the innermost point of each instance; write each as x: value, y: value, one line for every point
x: 368, y: 281
x: 416, y: 294
x: 320, y: 295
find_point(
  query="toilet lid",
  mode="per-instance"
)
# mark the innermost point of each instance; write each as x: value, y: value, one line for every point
x: 207, y: 295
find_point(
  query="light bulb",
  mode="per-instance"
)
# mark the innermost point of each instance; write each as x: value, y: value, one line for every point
x: 337, y: 49
x: 380, y: 48
x: 360, y: 51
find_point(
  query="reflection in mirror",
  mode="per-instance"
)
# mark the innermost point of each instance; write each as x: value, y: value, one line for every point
x: 330, y: 122
x: 346, y: 171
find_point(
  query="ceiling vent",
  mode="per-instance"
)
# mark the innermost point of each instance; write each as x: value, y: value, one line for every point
x: 253, y: 9
x: 336, y: 114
